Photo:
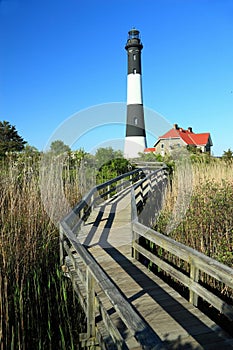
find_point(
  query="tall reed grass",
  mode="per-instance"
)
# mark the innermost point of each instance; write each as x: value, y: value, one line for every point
x: 38, y: 309
x: 207, y: 225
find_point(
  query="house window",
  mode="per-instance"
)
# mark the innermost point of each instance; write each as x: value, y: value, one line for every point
x: 162, y: 145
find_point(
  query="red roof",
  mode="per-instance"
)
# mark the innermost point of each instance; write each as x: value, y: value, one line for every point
x: 188, y: 136
x: 149, y: 149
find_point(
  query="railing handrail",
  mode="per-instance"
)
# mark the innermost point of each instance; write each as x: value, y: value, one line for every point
x: 212, y: 267
x: 118, y: 178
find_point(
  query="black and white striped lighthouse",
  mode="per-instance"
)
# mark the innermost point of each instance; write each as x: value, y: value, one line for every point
x: 135, y: 139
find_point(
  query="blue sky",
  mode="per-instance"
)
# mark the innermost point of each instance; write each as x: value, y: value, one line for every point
x: 61, y: 57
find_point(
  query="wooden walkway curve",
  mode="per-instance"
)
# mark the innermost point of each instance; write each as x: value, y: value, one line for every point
x: 127, y: 306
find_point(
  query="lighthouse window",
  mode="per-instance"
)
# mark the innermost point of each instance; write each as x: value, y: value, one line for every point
x: 134, y: 71
x: 135, y: 121
x: 134, y: 57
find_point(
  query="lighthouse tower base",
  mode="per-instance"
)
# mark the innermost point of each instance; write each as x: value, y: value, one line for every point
x: 133, y: 146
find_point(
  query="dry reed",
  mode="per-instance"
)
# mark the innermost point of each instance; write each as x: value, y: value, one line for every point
x: 37, y: 307
x: 207, y: 224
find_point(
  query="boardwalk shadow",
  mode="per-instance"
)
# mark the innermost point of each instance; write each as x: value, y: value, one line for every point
x: 188, y: 321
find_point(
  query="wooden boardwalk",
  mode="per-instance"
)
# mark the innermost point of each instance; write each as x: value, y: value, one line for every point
x: 107, y: 235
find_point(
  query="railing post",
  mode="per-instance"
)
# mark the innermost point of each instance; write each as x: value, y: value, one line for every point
x: 122, y: 184
x: 90, y: 305
x: 92, y: 205
x: 81, y: 214
x: 141, y: 193
x: 131, y: 178
x: 134, y: 218
x: 135, y: 238
x: 194, y: 275
x: 62, y: 258
x: 150, y: 185
x: 61, y: 240
x: 108, y: 189
x: 88, y: 340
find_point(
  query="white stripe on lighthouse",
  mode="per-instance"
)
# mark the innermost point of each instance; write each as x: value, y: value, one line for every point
x: 134, y: 89
x: 134, y: 145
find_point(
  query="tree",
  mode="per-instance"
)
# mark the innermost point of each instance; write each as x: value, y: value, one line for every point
x: 78, y: 155
x: 10, y: 140
x: 58, y: 147
x: 113, y: 168
x: 104, y: 155
x: 30, y: 149
x: 228, y: 155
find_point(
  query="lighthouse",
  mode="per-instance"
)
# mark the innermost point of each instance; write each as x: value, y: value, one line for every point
x: 135, y: 138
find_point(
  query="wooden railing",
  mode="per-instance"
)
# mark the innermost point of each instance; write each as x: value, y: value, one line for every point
x: 88, y: 276
x: 198, y: 262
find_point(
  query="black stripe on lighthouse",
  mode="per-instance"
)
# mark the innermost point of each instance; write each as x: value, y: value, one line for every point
x: 135, y: 120
x: 134, y: 60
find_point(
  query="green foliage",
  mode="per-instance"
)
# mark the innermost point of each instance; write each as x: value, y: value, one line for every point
x: 110, y: 163
x: 113, y: 168
x: 104, y: 155
x: 59, y: 147
x: 201, y: 158
x: 150, y: 157
x: 228, y: 155
x: 10, y: 140
x: 30, y: 149
x: 197, y: 156
x: 194, y: 149
x: 77, y: 156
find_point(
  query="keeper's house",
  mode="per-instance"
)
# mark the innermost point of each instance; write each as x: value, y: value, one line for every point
x: 179, y: 137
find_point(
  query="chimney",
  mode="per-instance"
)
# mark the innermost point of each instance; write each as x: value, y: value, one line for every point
x: 190, y: 129
x: 176, y: 127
